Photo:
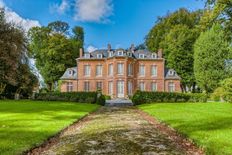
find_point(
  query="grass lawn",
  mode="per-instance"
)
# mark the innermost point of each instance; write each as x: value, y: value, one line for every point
x: 24, y: 124
x: 208, y: 124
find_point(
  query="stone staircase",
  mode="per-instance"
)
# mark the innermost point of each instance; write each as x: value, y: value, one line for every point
x: 119, y: 102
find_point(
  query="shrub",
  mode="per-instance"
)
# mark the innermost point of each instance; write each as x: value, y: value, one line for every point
x: 107, y: 97
x: 82, y: 97
x: 149, y: 97
x: 101, y: 100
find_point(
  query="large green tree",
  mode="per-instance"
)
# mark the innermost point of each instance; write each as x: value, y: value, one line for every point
x: 179, y: 47
x: 211, y: 51
x: 55, y: 49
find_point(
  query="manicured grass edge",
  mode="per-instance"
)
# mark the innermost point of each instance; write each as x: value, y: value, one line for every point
x: 54, y: 138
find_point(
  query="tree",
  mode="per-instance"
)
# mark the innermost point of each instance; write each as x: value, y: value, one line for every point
x: 55, y: 50
x: 179, y: 48
x: 210, y: 54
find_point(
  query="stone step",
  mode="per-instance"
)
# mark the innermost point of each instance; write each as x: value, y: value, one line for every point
x: 119, y: 103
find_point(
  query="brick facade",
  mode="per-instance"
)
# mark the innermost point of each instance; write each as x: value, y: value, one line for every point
x: 125, y: 84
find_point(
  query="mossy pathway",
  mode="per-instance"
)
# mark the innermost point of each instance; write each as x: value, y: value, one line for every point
x: 112, y: 130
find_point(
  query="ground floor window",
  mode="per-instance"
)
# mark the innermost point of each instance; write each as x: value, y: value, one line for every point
x: 130, y: 91
x: 153, y: 86
x: 99, y: 85
x: 142, y: 86
x: 171, y: 87
x: 110, y: 88
x: 69, y: 86
x: 86, y: 86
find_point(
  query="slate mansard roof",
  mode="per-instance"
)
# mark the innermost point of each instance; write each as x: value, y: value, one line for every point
x: 70, y: 74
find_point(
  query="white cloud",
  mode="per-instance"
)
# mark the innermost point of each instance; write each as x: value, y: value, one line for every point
x: 60, y: 8
x: 93, y: 10
x: 91, y: 48
x: 13, y: 17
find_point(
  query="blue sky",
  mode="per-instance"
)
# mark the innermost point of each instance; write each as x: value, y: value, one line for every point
x: 119, y: 22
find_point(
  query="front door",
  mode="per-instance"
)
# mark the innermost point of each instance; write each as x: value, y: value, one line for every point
x: 120, y: 89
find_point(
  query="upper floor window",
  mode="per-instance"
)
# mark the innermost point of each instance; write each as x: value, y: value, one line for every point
x: 120, y: 53
x: 141, y: 70
x: 153, y: 70
x: 153, y: 86
x: 171, y: 86
x: 111, y: 54
x: 130, y: 69
x: 87, y: 55
x: 141, y: 56
x: 99, y: 56
x: 110, y: 70
x: 69, y: 86
x: 86, y: 70
x: 142, y: 86
x: 154, y: 56
x: 99, y: 70
x: 86, y: 86
x: 120, y: 68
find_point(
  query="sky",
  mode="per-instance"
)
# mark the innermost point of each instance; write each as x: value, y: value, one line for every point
x: 118, y: 22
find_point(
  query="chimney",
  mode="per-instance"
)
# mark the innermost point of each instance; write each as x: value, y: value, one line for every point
x: 132, y: 48
x: 81, y: 53
x: 160, y: 53
x: 109, y: 47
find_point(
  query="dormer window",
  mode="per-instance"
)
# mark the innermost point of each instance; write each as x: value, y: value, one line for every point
x: 154, y: 56
x: 141, y: 56
x: 130, y: 54
x: 111, y: 54
x: 99, y: 56
x: 70, y: 72
x: 87, y: 55
x: 171, y: 73
x: 120, y: 53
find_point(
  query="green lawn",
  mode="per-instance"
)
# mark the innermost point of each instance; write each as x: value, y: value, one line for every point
x: 208, y: 124
x: 24, y: 124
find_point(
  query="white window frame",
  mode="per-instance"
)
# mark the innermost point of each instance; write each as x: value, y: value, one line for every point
x: 154, y: 71
x: 142, y: 86
x: 130, y: 88
x: 130, y: 69
x: 110, y: 87
x: 111, y: 70
x: 154, y: 86
x: 69, y: 86
x: 70, y: 72
x: 86, y: 55
x: 87, y: 70
x: 154, y: 56
x: 120, y: 71
x: 141, y: 56
x: 142, y: 72
x: 120, y: 53
x: 99, y: 72
x: 99, y: 56
x: 99, y: 85
x: 86, y: 86
x: 171, y: 87
x: 111, y: 54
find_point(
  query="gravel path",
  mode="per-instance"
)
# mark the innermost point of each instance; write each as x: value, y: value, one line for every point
x: 113, y: 131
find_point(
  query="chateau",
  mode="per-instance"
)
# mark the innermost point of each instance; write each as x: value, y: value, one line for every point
x: 119, y: 73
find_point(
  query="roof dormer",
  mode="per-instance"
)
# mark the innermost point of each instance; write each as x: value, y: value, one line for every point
x: 87, y: 55
x: 99, y: 55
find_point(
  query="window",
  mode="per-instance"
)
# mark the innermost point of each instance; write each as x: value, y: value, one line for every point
x: 99, y: 56
x: 154, y: 56
x: 86, y: 86
x: 142, y: 86
x: 120, y: 68
x: 86, y: 70
x: 111, y: 54
x: 130, y: 91
x: 129, y: 54
x: 99, y: 85
x: 153, y: 86
x: 70, y: 72
x: 110, y: 88
x: 87, y: 55
x: 153, y: 70
x: 69, y: 86
x: 171, y: 87
x: 141, y: 56
x: 141, y: 70
x: 130, y: 69
x: 110, y: 70
x: 99, y: 70
x: 120, y: 53
x: 171, y: 73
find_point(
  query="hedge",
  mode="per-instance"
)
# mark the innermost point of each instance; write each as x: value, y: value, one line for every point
x: 141, y: 97
x: 81, y: 97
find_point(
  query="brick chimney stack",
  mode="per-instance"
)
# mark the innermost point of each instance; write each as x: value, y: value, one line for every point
x: 81, y: 52
x: 109, y: 47
x: 132, y: 48
x: 160, y: 53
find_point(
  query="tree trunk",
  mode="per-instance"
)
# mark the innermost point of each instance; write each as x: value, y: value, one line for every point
x: 2, y: 88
